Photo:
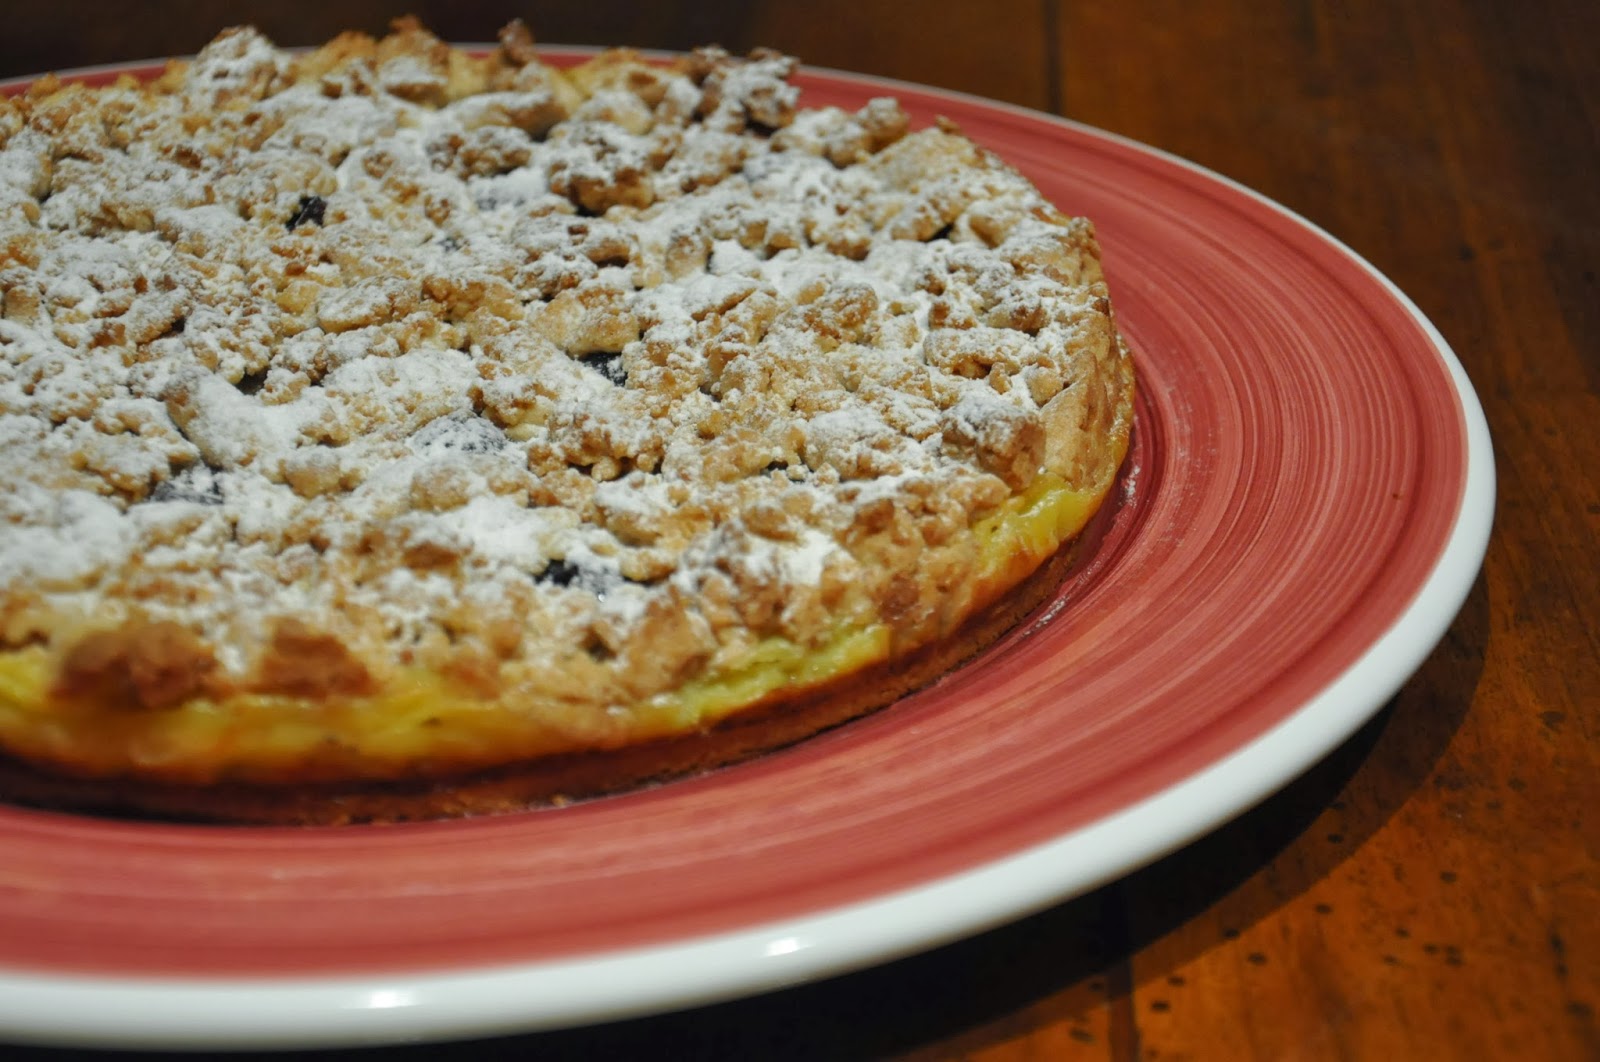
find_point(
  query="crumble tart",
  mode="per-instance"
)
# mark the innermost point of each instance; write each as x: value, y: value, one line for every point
x: 395, y: 432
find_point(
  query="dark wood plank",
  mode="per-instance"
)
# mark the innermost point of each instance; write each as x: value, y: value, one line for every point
x: 946, y: 42
x: 1441, y: 906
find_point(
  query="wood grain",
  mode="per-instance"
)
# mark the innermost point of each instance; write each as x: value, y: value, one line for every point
x: 1429, y: 891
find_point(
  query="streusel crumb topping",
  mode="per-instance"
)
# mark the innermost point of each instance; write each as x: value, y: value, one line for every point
x: 320, y: 366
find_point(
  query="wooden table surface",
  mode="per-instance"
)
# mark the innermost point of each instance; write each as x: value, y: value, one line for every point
x: 1430, y: 891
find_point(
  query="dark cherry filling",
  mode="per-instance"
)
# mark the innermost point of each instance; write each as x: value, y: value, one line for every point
x: 310, y: 209
x: 559, y: 572
x: 607, y: 365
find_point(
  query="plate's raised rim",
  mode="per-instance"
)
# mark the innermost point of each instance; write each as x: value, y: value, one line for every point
x: 371, y: 1009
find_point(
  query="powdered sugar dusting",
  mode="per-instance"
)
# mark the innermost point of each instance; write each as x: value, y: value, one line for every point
x: 335, y: 337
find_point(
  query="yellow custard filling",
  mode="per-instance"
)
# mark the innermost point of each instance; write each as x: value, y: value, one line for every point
x: 420, y: 719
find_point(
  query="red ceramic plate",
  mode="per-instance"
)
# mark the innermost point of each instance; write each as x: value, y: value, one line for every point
x: 1305, y: 506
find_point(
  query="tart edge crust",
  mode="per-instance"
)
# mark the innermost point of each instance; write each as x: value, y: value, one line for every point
x: 767, y: 727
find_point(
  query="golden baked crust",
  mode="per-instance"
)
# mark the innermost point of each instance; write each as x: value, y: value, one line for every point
x: 387, y: 414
